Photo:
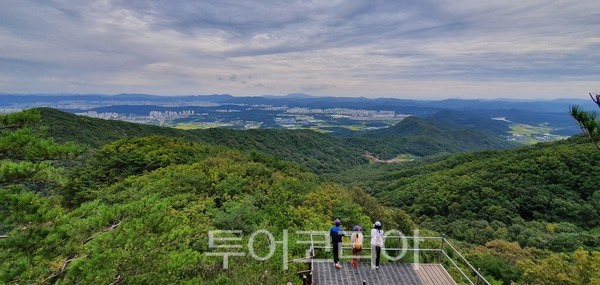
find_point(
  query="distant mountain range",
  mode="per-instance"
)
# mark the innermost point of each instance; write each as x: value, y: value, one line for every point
x: 306, y: 100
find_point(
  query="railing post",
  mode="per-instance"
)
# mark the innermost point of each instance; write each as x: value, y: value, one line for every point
x: 441, y: 248
x: 477, y: 278
x: 312, y: 246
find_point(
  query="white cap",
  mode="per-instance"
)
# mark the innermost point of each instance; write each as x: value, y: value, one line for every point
x: 378, y: 224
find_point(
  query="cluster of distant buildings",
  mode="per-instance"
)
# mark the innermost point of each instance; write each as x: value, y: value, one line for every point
x: 157, y: 116
x: 292, y: 122
x: 168, y: 116
x: 227, y: 111
x: 355, y: 114
x: 103, y: 115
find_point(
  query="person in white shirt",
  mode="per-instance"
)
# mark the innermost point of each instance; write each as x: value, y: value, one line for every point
x: 376, y: 244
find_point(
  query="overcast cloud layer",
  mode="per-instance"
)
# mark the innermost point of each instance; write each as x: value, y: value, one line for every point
x: 409, y: 49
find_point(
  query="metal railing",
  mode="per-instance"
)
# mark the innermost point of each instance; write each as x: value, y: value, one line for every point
x: 444, y: 244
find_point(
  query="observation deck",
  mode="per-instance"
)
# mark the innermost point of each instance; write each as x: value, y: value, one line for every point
x: 388, y: 273
x: 414, y: 260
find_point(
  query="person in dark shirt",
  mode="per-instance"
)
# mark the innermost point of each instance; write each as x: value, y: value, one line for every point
x: 336, y: 233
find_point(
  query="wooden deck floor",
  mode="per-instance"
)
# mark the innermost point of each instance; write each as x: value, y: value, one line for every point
x: 423, y: 274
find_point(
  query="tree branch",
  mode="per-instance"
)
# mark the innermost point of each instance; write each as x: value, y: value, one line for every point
x: 117, y: 279
x: 112, y: 227
x: 60, y: 272
x: 595, y: 98
x: 587, y: 122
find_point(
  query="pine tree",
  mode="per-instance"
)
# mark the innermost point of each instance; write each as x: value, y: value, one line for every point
x: 588, y: 121
x: 26, y: 155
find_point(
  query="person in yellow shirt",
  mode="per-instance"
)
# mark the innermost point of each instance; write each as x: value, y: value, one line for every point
x: 357, y: 245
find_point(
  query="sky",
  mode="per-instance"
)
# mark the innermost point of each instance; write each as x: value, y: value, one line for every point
x: 425, y: 49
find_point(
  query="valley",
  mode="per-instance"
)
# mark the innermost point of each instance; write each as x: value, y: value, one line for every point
x: 521, y: 122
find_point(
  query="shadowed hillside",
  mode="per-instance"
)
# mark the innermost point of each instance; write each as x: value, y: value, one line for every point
x: 319, y: 152
x: 425, y: 137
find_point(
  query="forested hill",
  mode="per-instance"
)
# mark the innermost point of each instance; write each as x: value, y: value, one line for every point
x: 545, y: 195
x: 139, y: 210
x: 473, y: 120
x: 319, y: 152
x: 425, y: 137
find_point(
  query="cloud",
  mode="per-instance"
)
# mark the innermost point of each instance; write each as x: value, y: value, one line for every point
x: 363, y: 48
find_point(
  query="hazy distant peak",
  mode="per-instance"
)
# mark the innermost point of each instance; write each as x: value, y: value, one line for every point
x: 299, y: 95
x: 290, y: 96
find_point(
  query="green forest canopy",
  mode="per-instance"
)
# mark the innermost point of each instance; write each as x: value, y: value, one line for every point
x: 543, y: 196
x: 319, y: 152
x: 138, y: 210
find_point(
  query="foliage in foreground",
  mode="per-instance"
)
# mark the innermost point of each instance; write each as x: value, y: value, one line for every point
x: 139, y: 211
x: 507, y: 262
x: 588, y: 121
x: 543, y: 196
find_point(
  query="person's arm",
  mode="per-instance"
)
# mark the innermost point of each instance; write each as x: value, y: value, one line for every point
x: 332, y: 235
x: 372, y: 236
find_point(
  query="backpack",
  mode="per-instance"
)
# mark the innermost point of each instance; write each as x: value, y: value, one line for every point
x: 358, y: 241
